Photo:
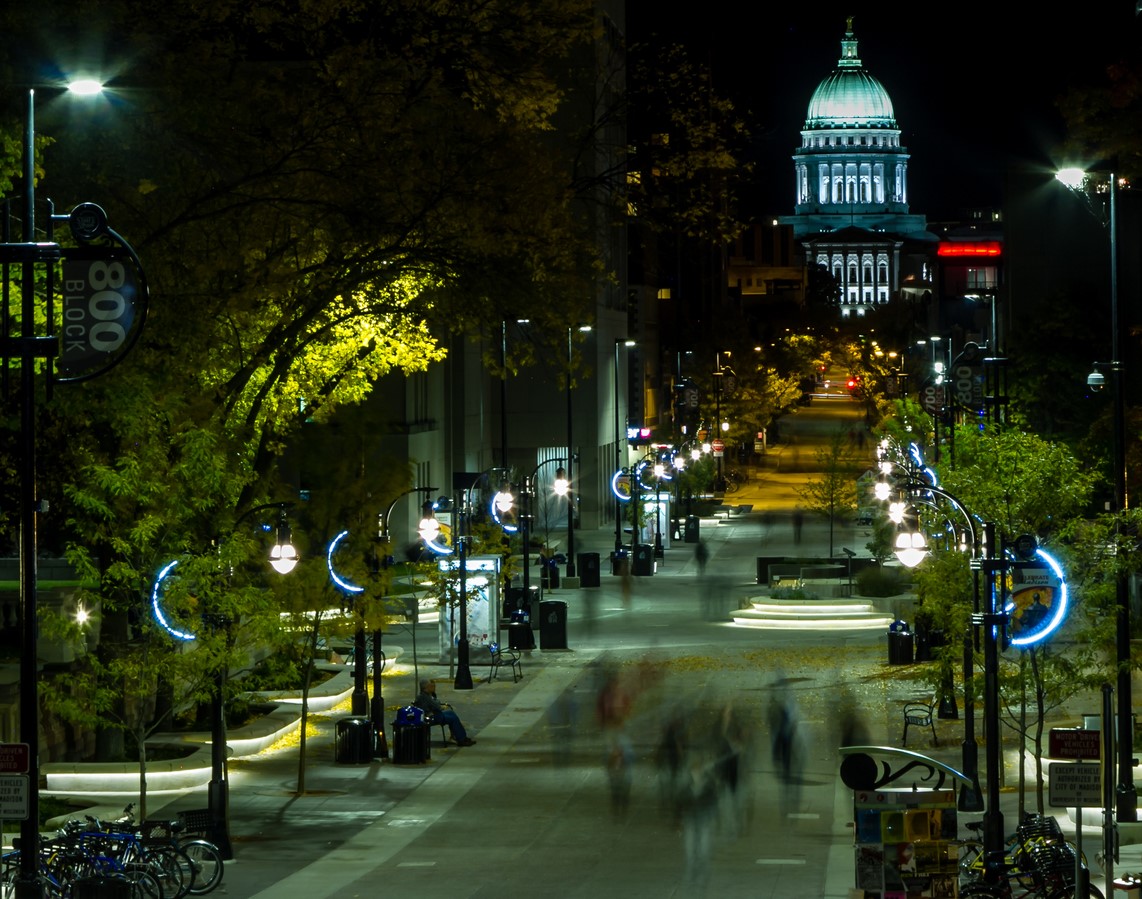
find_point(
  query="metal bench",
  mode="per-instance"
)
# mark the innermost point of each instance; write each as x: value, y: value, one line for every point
x: 920, y: 714
x: 502, y: 656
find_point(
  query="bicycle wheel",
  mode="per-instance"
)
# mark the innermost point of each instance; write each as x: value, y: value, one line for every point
x: 984, y: 891
x: 167, y: 865
x: 1068, y: 892
x: 971, y: 863
x: 144, y: 884
x: 206, y: 862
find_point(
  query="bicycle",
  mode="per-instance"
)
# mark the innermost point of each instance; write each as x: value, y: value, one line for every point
x: 201, y: 858
x: 199, y: 861
x: 1038, y: 862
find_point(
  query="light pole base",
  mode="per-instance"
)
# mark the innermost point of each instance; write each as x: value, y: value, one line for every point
x: 218, y: 800
x: 1126, y: 804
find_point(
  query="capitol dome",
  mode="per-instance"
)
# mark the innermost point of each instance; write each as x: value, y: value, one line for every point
x: 850, y: 96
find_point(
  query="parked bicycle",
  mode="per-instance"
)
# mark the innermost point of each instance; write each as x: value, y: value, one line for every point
x: 1038, y: 863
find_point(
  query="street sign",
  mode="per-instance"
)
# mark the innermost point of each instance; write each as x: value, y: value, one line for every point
x: 14, y: 758
x: 1074, y: 743
x: 14, y: 797
x: 104, y: 304
x: 1077, y: 785
x: 718, y: 448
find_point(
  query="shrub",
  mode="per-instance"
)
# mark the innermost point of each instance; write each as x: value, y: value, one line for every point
x: 880, y: 581
x: 793, y: 593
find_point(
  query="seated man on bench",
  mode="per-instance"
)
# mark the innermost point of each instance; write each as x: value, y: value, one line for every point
x: 439, y: 711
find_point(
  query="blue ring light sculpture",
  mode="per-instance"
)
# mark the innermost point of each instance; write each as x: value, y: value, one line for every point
x: 344, y: 585
x: 1056, y: 613
x: 621, y: 495
x: 157, y: 606
x: 494, y: 509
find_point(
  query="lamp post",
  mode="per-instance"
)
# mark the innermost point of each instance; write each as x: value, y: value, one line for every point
x: 525, y: 519
x: 463, y: 679
x: 619, y: 341
x: 283, y: 558
x: 1126, y: 805
x: 377, y: 705
x: 993, y: 618
x: 570, y: 476
x: 88, y: 223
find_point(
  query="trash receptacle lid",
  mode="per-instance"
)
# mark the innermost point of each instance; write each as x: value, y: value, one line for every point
x: 898, y: 627
x: 410, y: 714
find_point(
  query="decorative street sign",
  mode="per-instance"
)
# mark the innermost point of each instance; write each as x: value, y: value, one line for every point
x: 103, y: 297
x: 1077, y: 785
x: 718, y: 448
x: 14, y: 797
x: 14, y: 758
x: 1074, y: 743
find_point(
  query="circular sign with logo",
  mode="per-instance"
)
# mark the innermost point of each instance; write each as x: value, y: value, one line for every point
x: 718, y: 447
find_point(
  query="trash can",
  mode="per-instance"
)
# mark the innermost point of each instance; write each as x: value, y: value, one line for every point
x: 354, y: 741
x: 529, y: 605
x: 588, y: 566
x: 643, y: 560
x: 552, y: 624
x: 519, y: 632
x: 900, y: 644
x: 693, y: 528
x: 620, y: 562
x: 99, y: 887
x: 411, y: 737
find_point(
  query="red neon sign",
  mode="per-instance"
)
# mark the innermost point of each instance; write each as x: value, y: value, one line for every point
x: 981, y: 248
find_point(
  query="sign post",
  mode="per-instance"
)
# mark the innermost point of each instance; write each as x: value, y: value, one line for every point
x: 1076, y: 785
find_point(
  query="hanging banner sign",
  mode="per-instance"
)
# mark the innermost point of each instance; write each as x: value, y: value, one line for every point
x: 103, y: 295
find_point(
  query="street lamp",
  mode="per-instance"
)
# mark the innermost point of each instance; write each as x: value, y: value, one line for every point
x: 463, y: 678
x: 570, y: 476
x: 283, y: 558
x: 993, y: 618
x: 88, y: 224
x: 1126, y: 806
x: 919, y: 485
x: 619, y: 341
x: 561, y: 487
x: 377, y: 705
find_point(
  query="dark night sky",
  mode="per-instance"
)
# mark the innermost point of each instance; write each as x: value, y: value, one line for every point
x: 969, y: 93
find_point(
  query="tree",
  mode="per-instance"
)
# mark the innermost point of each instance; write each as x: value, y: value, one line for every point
x: 319, y: 197
x: 833, y: 494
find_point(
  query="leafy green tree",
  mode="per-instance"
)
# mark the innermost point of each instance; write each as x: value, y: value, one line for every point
x: 833, y: 494
x: 319, y: 197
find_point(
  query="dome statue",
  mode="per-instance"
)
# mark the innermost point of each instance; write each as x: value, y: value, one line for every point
x: 850, y: 96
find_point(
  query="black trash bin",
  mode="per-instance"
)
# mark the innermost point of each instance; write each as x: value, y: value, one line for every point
x: 354, y: 741
x: 552, y: 624
x: 519, y: 632
x: 411, y: 737
x: 620, y: 562
x: 529, y: 605
x: 643, y: 560
x: 693, y: 528
x: 900, y: 644
x: 100, y: 887
x: 589, y: 574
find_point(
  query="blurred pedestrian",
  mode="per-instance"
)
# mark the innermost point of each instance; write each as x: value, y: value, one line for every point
x: 784, y: 727
x: 701, y: 556
x: 798, y: 521
x: 852, y: 730
x: 730, y: 746
x: 698, y: 803
x: 612, y: 708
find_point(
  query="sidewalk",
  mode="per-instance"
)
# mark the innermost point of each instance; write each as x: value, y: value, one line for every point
x: 525, y: 810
